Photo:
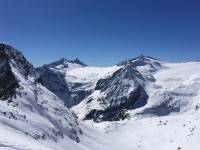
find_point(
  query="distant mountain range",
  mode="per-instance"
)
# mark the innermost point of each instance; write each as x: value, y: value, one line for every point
x: 60, y: 105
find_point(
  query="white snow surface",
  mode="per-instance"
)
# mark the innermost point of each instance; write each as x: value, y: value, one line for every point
x: 88, y: 76
x: 34, y: 116
x: 180, y: 130
x: 181, y: 81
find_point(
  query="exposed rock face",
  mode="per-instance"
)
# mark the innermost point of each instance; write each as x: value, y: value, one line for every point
x: 77, y: 61
x: 77, y: 96
x: 115, y: 112
x: 9, y: 59
x: 119, y: 92
x: 122, y: 87
x: 162, y: 109
x: 124, y: 90
x: 53, y: 78
x: 8, y: 83
x: 55, y: 82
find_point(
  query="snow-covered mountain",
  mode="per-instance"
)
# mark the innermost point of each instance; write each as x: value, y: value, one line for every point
x: 101, y: 94
x: 27, y: 108
x: 53, y: 78
x: 141, y: 103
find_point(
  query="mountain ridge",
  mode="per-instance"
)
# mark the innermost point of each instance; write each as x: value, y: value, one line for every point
x: 76, y: 94
x: 133, y: 103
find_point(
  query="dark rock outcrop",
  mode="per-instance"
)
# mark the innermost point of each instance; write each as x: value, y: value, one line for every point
x: 55, y: 82
x: 53, y: 78
x: 121, y: 91
x: 10, y: 60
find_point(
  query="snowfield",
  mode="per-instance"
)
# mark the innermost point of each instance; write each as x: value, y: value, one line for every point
x: 180, y: 130
x: 174, y: 131
x: 88, y: 76
x: 37, y: 119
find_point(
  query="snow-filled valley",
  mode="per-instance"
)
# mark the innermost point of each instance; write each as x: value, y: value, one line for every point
x: 139, y: 104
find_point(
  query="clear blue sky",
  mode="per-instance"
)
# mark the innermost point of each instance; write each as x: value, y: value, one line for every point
x: 102, y: 32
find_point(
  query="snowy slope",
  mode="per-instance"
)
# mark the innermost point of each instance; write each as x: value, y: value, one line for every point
x: 87, y: 77
x: 176, y: 89
x: 30, y: 110
x: 72, y: 81
x: 156, y: 126
x: 169, y: 120
x: 123, y: 90
x: 164, y: 115
x: 156, y: 133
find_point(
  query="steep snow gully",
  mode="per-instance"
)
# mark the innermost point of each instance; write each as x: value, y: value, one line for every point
x: 141, y: 104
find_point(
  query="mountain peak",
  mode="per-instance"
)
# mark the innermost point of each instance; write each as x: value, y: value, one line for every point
x: 12, y: 56
x: 7, y: 48
x: 143, y: 58
x: 78, y: 61
x: 2, y: 44
x: 75, y: 61
x: 148, y: 62
x: 139, y: 59
x: 63, y: 59
x: 65, y: 63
